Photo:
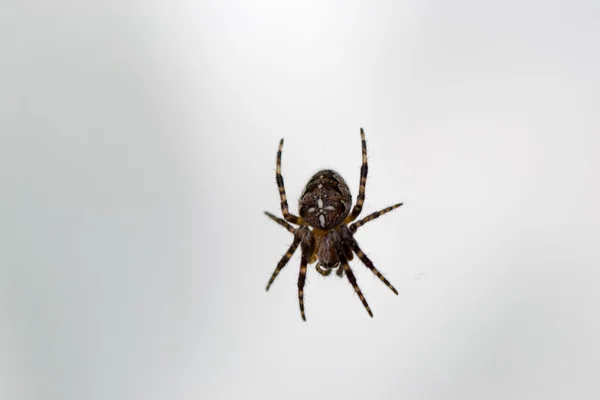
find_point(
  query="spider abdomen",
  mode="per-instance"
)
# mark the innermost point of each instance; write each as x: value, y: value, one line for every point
x: 325, y: 200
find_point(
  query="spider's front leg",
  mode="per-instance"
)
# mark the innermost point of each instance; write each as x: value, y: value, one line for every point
x: 290, y: 251
x: 307, y: 247
x: 349, y: 239
x: 341, y: 252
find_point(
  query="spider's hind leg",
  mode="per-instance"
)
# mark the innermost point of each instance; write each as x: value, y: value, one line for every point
x: 284, y: 260
x: 364, y: 170
x: 282, y: 196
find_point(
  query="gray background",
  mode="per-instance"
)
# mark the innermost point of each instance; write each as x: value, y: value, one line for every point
x: 137, y: 154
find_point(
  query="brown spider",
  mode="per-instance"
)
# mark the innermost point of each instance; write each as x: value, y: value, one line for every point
x: 324, y: 206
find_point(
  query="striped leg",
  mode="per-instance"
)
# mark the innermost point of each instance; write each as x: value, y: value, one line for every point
x: 308, y: 245
x: 281, y: 222
x: 364, y: 169
x: 373, y: 216
x: 339, y: 244
x: 301, y: 282
x: 284, y: 260
x: 369, y: 264
x: 352, y: 280
x: 284, y: 205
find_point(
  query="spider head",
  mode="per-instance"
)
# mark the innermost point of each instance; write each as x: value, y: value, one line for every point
x: 325, y: 200
x: 326, y: 254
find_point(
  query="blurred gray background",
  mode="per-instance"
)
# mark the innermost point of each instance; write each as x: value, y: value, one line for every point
x: 137, y: 154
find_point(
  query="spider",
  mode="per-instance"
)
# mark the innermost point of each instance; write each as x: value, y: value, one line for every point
x: 325, y: 206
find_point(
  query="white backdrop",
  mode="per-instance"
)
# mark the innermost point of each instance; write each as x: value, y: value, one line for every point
x: 137, y: 154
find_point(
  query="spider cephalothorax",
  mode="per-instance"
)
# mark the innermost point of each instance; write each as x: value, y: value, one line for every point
x: 325, y: 206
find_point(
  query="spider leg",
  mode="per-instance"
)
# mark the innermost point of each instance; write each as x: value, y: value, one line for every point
x: 373, y: 216
x: 352, y: 280
x: 349, y: 273
x: 364, y: 169
x: 281, y: 222
x: 286, y: 257
x: 308, y: 244
x: 368, y: 263
x: 284, y: 205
